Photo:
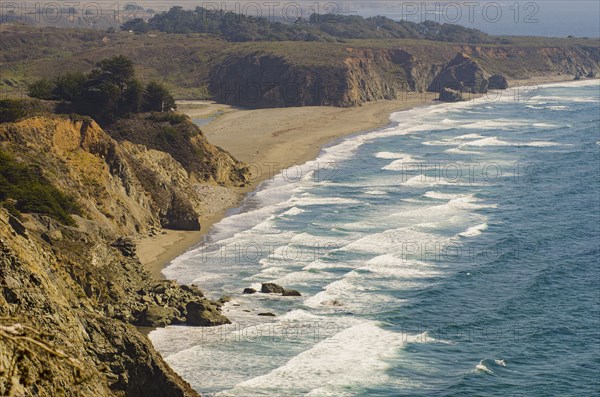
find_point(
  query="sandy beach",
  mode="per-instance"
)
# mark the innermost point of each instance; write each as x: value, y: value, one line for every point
x: 271, y: 140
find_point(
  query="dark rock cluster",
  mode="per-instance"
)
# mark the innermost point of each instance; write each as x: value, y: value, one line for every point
x: 464, y: 75
x: 166, y: 303
x: 126, y: 246
x: 272, y: 288
x: 450, y: 95
x: 497, y: 82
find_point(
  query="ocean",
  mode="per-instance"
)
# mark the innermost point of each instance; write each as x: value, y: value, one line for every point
x: 453, y: 253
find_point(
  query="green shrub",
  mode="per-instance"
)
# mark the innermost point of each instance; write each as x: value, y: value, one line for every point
x: 42, y: 89
x: 169, y: 135
x: 32, y: 193
x: 171, y: 117
x: 157, y: 98
x: 11, y: 110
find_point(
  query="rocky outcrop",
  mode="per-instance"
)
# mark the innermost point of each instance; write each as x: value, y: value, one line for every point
x: 63, y: 312
x: 204, y: 313
x: 497, y: 82
x: 125, y: 245
x: 461, y: 74
x: 291, y: 292
x: 450, y: 95
x: 271, y: 288
x: 162, y: 303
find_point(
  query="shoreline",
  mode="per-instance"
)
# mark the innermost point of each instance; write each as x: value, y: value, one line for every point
x: 271, y: 140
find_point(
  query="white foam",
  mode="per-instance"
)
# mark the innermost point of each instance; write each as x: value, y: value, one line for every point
x: 468, y: 201
x: 474, y: 230
x: 456, y: 212
x: 293, y: 211
x: 494, y: 141
x: 568, y: 99
x: 310, y: 199
x: 401, y: 164
x: 427, y: 180
x: 454, y: 140
x: 443, y: 142
x: 375, y: 192
x: 392, y: 240
x: 304, y: 278
x: 498, y: 124
x: 541, y: 106
x: 458, y: 150
x: 350, y: 357
x: 538, y: 144
x: 391, y: 266
x: 468, y: 136
x: 412, y: 201
x: 442, y: 196
x: 481, y: 367
x: 389, y: 155
x: 349, y: 295
x: 575, y: 83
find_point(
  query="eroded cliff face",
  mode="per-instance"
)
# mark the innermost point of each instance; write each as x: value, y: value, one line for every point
x: 374, y: 74
x: 124, y: 187
x: 263, y: 79
x: 70, y: 295
x: 61, y: 327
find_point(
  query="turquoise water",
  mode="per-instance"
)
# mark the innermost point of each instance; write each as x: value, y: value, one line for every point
x: 455, y: 252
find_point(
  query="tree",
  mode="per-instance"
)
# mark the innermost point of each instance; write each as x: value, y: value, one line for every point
x: 133, y: 97
x: 118, y: 69
x: 157, y: 98
x: 137, y: 25
x: 105, y: 93
x: 68, y: 86
x: 100, y: 99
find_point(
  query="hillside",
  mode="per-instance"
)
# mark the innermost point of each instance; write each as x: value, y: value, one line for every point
x: 190, y: 64
x: 72, y: 291
x: 323, y: 28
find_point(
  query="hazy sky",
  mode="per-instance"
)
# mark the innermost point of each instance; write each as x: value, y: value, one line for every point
x: 540, y: 18
x: 560, y: 18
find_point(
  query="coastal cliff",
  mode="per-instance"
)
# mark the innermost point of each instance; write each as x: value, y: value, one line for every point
x: 285, y: 73
x: 125, y: 186
x: 72, y: 288
x: 359, y: 75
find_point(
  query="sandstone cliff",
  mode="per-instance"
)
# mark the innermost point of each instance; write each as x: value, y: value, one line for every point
x: 70, y: 293
x: 124, y: 187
